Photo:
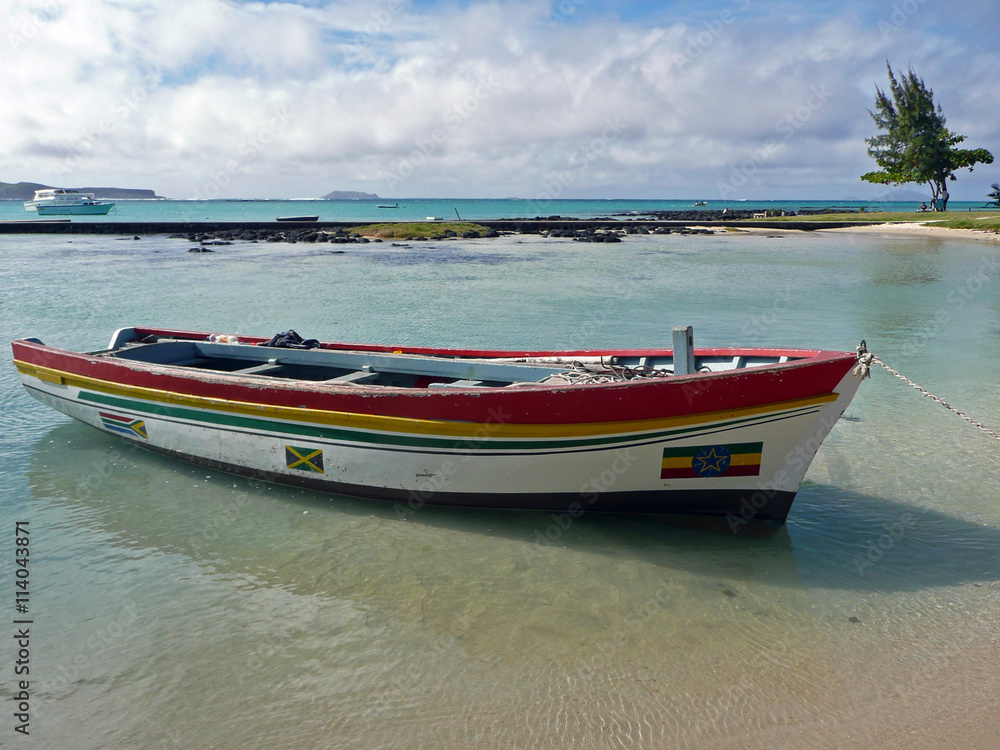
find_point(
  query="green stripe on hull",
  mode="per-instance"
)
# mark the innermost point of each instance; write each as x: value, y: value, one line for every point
x: 734, y: 448
x: 487, y: 444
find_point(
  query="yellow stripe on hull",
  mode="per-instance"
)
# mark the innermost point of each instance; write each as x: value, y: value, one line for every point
x: 737, y: 459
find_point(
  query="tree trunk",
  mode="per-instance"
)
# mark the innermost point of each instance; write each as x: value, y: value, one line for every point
x: 939, y: 195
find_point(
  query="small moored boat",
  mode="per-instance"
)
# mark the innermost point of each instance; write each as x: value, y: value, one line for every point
x: 65, y: 202
x: 718, y: 432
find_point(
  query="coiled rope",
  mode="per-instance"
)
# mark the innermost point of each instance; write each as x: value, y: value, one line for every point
x: 581, y: 374
x: 864, y: 367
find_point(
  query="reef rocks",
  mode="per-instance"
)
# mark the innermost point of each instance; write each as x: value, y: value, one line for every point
x: 228, y: 236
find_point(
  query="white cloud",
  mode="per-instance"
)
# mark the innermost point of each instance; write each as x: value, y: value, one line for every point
x: 287, y: 99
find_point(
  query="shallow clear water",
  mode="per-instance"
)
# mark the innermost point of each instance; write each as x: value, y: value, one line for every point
x: 176, y: 606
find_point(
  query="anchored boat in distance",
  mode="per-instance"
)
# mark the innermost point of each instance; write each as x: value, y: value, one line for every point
x: 715, y: 432
x: 66, y: 202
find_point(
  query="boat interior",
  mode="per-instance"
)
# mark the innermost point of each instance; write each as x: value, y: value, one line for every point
x: 399, y: 370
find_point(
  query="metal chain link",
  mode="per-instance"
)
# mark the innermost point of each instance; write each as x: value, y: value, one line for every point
x: 865, y: 360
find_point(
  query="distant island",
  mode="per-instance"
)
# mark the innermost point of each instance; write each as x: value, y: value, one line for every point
x: 350, y: 195
x: 25, y: 191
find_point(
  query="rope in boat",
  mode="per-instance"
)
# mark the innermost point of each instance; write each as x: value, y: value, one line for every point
x: 864, y: 367
x: 608, y: 373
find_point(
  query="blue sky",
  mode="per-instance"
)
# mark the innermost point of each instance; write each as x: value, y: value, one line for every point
x: 528, y: 98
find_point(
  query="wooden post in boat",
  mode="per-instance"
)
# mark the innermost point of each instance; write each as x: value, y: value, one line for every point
x: 683, y: 350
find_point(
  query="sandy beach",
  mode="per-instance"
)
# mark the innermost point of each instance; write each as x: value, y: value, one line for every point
x: 920, y: 230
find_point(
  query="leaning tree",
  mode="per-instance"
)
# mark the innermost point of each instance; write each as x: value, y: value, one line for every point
x: 995, y: 195
x: 915, y: 145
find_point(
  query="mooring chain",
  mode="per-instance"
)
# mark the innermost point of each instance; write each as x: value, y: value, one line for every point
x: 864, y: 366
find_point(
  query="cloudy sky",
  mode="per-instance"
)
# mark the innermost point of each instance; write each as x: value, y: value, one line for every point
x: 529, y: 98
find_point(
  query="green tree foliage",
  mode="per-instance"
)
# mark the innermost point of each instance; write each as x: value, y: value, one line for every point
x: 995, y: 195
x: 915, y: 145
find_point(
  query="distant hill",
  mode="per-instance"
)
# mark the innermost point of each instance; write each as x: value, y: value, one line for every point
x: 349, y: 195
x: 25, y: 191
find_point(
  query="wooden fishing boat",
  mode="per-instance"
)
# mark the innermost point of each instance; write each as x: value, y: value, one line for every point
x: 718, y: 432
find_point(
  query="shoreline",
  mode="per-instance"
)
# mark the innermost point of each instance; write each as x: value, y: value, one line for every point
x: 918, y: 230
x: 555, y: 227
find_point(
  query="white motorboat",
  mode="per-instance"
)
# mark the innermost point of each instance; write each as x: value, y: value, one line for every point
x: 66, y: 202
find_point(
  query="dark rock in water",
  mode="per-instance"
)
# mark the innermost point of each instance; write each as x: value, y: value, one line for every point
x: 853, y: 619
x: 820, y: 211
x: 213, y: 242
x: 598, y: 238
x: 730, y: 593
x: 201, y: 249
x: 704, y: 214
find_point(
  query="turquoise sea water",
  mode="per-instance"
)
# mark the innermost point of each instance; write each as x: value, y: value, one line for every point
x: 420, y: 209
x: 178, y: 607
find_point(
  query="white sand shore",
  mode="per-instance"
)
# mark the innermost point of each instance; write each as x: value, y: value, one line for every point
x: 921, y: 230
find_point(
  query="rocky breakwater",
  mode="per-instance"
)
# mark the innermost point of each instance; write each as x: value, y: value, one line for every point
x: 207, y: 240
x: 702, y: 215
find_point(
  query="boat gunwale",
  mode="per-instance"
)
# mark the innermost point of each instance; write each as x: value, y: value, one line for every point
x: 800, y: 354
x: 804, y: 358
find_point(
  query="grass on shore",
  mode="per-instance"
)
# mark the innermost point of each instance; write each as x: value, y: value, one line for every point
x: 414, y: 230
x: 989, y: 220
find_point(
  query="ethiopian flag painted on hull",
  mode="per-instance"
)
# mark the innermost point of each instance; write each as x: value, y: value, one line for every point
x: 708, y: 461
